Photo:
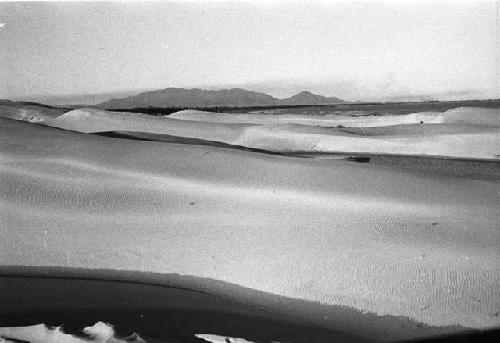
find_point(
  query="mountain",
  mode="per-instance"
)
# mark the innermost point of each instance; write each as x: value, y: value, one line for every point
x: 308, y: 98
x: 180, y: 97
x: 234, y: 97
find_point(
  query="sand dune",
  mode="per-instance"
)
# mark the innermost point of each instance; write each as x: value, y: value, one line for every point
x: 471, y: 115
x: 464, y: 115
x: 447, y: 140
x: 420, y: 130
x: 30, y: 112
x: 375, y: 238
x: 455, y: 133
x: 253, y: 118
x: 94, y: 120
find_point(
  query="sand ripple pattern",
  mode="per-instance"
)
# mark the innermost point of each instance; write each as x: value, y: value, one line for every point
x: 375, y: 238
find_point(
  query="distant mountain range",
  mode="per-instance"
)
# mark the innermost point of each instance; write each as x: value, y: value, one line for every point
x: 308, y: 98
x: 235, y: 97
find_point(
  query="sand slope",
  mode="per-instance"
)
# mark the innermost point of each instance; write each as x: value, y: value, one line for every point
x: 376, y: 238
x: 94, y: 120
x: 467, y: 115
x: 30, y: 112
x: 453, y: 140
x: 455, y: 133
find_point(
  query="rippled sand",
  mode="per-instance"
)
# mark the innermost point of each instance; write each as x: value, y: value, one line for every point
x: 377, y: 238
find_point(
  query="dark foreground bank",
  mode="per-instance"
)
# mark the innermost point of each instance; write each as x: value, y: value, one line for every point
x: 171, y: 307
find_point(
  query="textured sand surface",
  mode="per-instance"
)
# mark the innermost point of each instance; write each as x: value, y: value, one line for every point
x: 462, y: 132
x: 375, y: 238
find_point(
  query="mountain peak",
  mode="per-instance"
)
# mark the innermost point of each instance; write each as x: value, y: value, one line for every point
x: 195, y: 97
x: 304, y: 93
x: 308, y: 98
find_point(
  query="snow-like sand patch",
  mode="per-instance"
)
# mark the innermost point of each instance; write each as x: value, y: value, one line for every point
x: 98, y: 333
x: 464, y: 115
x: 374, y: 238
x: 461, y: 133
x: 457, y: 142
x: 93, y: 120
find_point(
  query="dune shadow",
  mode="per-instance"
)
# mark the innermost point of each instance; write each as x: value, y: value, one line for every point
x: 164, y: 138
x: 171, y: 305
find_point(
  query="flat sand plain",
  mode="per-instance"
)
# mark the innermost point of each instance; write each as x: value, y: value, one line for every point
x: 374, y: 237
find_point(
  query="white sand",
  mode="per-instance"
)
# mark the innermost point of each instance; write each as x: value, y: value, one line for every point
x: 31, y: 113
x: 460, y: 143
x: 94, y: 120
x: 220, y: 339
x: 463, y: 133
x: 469, y: 115
x: 98, y: 333
x: 375, y: 238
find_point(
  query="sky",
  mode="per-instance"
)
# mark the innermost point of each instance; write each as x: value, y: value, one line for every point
x: 354, y: 50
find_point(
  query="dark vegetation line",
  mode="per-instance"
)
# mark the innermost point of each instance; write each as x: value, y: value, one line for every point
x: 396, y: 107
x: 214, y: 109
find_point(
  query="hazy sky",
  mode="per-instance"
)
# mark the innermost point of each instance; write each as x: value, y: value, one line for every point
x: 348, y: 49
